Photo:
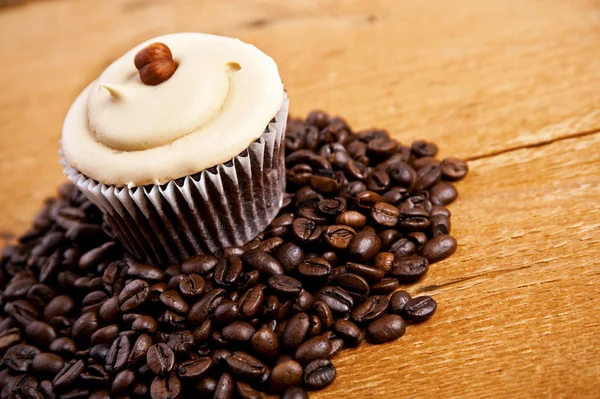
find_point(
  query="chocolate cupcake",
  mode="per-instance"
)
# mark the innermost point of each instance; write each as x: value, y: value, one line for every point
x: 180, y: 144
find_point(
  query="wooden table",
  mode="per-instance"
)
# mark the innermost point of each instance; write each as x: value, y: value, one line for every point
x: 511, y: 85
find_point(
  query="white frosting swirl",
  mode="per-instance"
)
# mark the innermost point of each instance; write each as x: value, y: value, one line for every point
x: 223, y: 94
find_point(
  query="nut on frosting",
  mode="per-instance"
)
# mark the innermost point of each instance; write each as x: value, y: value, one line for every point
x: 120, y: 131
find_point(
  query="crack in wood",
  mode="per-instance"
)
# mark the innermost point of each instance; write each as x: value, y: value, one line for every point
x: 532, y: 145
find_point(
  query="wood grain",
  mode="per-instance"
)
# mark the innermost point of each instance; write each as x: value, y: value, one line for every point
x: 509, y: 84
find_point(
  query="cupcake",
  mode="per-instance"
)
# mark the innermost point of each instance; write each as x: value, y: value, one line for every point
x: 180, y: 143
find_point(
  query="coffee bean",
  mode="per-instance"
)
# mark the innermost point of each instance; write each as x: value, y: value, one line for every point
x: 364, y: 246
x: 385, y: 214
x: 398, y: 300
x: 166, y: 387
x: 385, y: 286
x: 20, y: 356
x: 145, y: 324
x: 263, y: 262
x: 294, y: 393
x: 338, y: 300
x: 371, y: 309
x: 295, y: 331
x: 371, y: 274
x: 238, y: 331
x: 354, y: 285
x: 454, y: 169
x: 402, y: 247
x: 265, y: 343
x: 306, y: 230
x: 385, y: 329
x: 225, y: 388
x: 245, y: 391
x: 47, y: 363
x: 117, y: 355
x: 190, y: 286
x: 314, y: 268
x: 41, y: 333
x: 384, y: 261
x: 226, y: 312
x: 122, y: 382
x: 419, y: 309
x: 352, y: 219
x: 285, y: 285
x: 408, y: 269
x: 194, y: 368
x: 349, y: 332
x: 205, y: 306
x: 286, y: 374
x: 161, y: 359
x: 303, y: 301
x: 439, y: 248
x: 173, y: 300
x: 133, y: 295
x: 109, y: 311
x: 145, y: 271
x: 206, y: 387
x: 319, y: 374
x: 289, y: 255
x: 139, y: 350
x: 181, y: 341
x: 423, y: 148
x: 245, y: 366
x: 63, y: 346
x: 9, y: 337
x: 250, y: 303
x: 23, y: 312
x: 68, y: 374
x: 367, y: 199
x: 199, y: 264
x: 85, y: 326
x: 228, y: 272
x: 315, y: 348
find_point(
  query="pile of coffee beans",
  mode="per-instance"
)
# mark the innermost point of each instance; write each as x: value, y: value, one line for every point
x: 364, y: 215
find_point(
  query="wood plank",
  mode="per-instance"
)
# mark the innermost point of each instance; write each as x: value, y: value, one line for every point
x: 517, y: 303
x: 479, y: 77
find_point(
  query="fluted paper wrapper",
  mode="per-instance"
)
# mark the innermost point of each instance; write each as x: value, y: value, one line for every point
x: 226, y: 205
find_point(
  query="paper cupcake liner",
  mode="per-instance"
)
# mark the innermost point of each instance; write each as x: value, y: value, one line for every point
x: 226, y: 205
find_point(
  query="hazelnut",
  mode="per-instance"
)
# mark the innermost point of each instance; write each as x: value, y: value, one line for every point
x: 155, y: 63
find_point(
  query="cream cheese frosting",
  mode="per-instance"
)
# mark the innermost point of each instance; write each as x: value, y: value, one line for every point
x: 223, y: 94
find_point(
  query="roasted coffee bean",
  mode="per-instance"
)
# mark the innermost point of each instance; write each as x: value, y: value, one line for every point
x: 145, y: 324
x: 238, y: 331
x: 295, y: 331
x: 385, y: 214
x: 294, y: 393
x: 122, y: 382
x: 245, y: 366
x: 349, y: 332
x: 228, y: 272
x: 424, y: 161
x: 402, y: 247
x: 199, y: 264
x: 440, y: 224
x: 286, y: 374
x: 365, y: 200
x: 289, y: 256
x: 364, y: 246
x: 385, y: 286
x: 387, y: 328
x: 174, y: 301
x: 85, y: 326
x: 408, y: 269
x: 369, y: 273
x: 93, y: 301
x: 443, y: 193
x: 145, y: 271
x: 20, y: 356
x: 68, y: 374
x: 225, y: 388
x: 23, y: 312
x: 428, y: 176
x: 41, y: 333
x: 191, y: 286
x: 285, y: 285
x: 319, y: 374
x: 439, y: 248
x: 265, y: 343
x: 339, y: 236
x: 354, y: 285
x: 315, y: 328
x: 352, y: 219
x: 245, y: 391
x: 314, y: 268
x: 378, y: 181
x: 315, y: 348
x: 371, y: 309
x: 396, y: 195
x: 419, y: 309
x: 63, y: 346
x: 166, y: 387
x: 398, y: 301
x: 133, y: 295
x: 384, y: 261
x: 307, y: 230
x: 327, y: 180
x: 423, y: 148
x: 194, y: 368
x: 161, y: 359
x: 139, y: 350
x: 251, y: 302
x: 181, y: 341
x: 338, y: 300
x: 419, y: 238
x: 263, y: 262
x: 454, y: 169
x: 205, y: 306
x: 413, y: 219
x: 117, y: 355
x: 333, y: 206
x: 226, y: 312
x: 105, y: 335
x: 303, y: 302
x: 19, y: 288
x: 9, y: 337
